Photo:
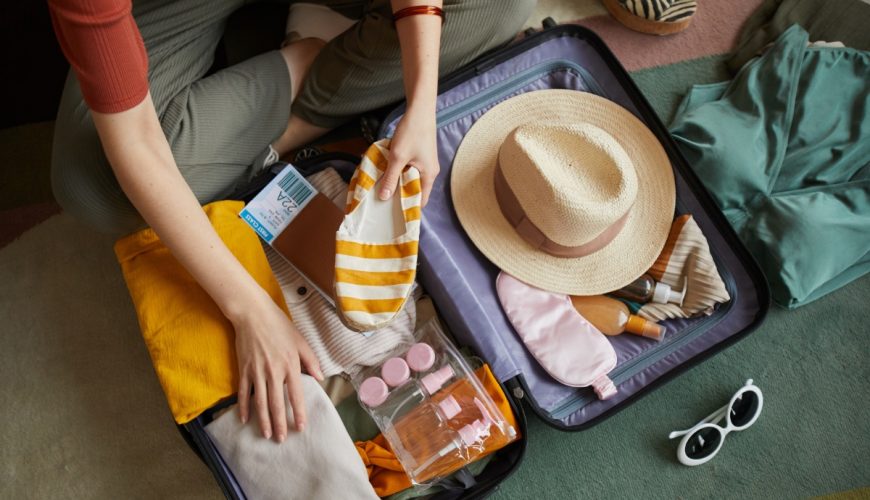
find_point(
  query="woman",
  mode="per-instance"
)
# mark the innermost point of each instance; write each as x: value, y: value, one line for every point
x: 144, y: 137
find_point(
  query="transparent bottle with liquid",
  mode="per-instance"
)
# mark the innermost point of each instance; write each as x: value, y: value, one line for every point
x: 424, y: 434
x: 612, y: 317
x: 646, y: 289
x: 434, y: 442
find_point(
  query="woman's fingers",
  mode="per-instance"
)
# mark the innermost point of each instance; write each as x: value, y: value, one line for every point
x: 271, y: 353
x: 261, y: 405
x: 244, y: 396
x: 297, y: 398
x: 427, y: 180
x: 310, y: 362
x: 396, y: 163
x: 276, y: 405
x: 392, y: 177
x: 270, y: 403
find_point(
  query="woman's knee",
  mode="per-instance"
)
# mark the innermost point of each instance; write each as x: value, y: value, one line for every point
x: 299, y: 56
x: 474, y: 27
x: 511, y: 15
x: 91, y: 197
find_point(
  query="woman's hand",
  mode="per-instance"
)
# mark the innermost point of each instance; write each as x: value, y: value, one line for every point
x: 271, y: 353
x: 413, y: 144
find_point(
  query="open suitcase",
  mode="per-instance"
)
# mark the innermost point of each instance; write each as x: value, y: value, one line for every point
x: 461, y: 281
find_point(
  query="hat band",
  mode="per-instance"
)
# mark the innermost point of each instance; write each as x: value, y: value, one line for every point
x: 516, y: 216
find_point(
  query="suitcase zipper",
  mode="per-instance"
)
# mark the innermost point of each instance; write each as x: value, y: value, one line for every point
x: 638, y: 364
x: 505, y: 88
x: 450, y: 113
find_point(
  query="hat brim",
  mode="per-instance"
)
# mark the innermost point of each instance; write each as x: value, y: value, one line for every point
x: 634, y: 249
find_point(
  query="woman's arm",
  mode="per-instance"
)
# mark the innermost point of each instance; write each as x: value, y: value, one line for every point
x: 414, y: 140
x: 268, y: 346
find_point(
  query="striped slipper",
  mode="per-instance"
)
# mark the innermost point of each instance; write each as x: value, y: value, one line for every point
x: 655, y: 17
x: 376, y: 245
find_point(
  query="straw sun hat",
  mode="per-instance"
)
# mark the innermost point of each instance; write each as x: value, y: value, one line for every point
x: 588, y: 188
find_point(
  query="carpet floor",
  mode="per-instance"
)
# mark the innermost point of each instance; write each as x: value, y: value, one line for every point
x: 84, y: 416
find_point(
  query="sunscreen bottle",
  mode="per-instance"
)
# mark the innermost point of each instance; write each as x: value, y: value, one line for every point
x: 612, y: 317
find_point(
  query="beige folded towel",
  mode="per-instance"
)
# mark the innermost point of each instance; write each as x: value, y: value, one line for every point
x: 319, y: 463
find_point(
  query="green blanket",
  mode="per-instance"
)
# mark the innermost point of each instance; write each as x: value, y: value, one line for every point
x: 784, y: 148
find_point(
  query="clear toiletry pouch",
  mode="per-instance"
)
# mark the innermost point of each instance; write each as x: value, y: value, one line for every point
x: 431, y: 408
x: 566, y: 345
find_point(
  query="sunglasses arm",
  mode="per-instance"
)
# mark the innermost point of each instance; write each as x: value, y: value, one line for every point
x: 677, y: 434
x: 713, y: 417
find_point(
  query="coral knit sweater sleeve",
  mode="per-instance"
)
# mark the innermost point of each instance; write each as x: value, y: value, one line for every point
x: 105, y: 49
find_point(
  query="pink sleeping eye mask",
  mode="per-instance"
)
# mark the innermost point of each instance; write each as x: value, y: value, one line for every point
x: 567, y: 346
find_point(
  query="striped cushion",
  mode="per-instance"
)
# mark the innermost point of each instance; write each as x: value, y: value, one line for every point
x: 374, y: 278
x: 666, y: 11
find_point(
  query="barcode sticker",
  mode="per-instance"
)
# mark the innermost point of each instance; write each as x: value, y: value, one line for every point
x: 275, y: 207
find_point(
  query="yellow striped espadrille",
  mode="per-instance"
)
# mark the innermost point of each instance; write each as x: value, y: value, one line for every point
x: 376, y: 245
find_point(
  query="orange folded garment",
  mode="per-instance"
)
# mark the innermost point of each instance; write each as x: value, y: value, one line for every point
x: 386, y: 473
x: 190, y: 341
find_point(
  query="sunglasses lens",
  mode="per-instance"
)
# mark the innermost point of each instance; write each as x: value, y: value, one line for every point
x: 703, y: 442
x: 744, y: 408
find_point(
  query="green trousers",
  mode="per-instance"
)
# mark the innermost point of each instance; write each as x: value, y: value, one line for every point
x: 218, y: 124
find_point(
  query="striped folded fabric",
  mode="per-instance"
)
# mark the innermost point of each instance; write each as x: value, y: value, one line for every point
x: 376, y: 245
x: 686, y: 261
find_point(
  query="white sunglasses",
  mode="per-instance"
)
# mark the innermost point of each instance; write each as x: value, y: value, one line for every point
x: 703, y: 441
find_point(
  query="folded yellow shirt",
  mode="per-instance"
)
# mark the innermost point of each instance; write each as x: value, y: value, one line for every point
x: 192, y: 344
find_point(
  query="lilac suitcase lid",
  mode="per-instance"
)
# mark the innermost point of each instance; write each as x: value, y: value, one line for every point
x: 461, y: 280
